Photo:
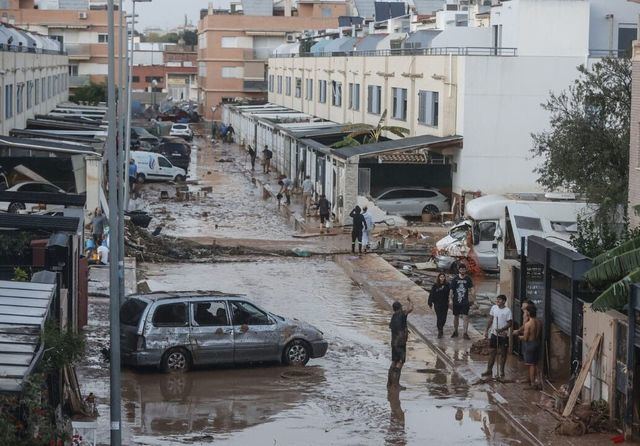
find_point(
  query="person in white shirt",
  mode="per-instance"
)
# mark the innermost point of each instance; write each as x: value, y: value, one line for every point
x: 500, y: 321
x: 366, y: 234
x: 103, y: 253
x: 307, y: 194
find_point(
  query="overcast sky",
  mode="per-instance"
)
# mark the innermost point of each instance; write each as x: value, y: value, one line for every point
x: 170, y: 13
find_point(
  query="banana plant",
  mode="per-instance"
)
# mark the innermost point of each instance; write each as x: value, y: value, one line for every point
x: 370, y: 134
x: 619, y: 267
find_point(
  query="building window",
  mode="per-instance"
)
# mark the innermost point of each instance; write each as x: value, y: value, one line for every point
x: 202, y: 69
x: 229, y: 42
x: 36, y: 95
x: 135, y: 78
x: 354, y: 96
x: 336, y: 93
x: 29, y: 94
x: 298, y: 87
x: 8, y: 101
x: 287, y: 85
x: 308, y: 91
x: 150, y: 79
x: 271, y: 83
x: 49, y: 86
x: 44, y: 89
x: 322, y: 91
x: 73, y: 70
x: 103, y: 38
x: 19, y: 98
x: 232, y: 72
x: 374, y: 96
x: 279, y: 84
x: 399, y: 103
x: 428, y: 108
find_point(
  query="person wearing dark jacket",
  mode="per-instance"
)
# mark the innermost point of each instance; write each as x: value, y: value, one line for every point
x: 324, y: 208
x: 359, y: 225
x: 439, y: 301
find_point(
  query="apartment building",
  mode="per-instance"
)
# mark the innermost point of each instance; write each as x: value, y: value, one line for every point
x: 79, y: 25
x: 484, y: 84
x: 634, y: 136
x: 33, y: 80
x: 234, y: 45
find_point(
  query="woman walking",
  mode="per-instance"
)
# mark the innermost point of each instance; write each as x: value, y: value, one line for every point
x: 439, y: 301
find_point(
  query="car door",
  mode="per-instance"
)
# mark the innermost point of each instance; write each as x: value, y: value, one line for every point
x: 390, y: 201
x: 211, y: 333
x: 255, y: 334
x: 165, y: 168
x: 169, y: 327
x: 486, y: 245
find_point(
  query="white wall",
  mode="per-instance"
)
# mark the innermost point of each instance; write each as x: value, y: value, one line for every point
x: 463, y: 37
x: 498, y: 109
x: 544, y: 28
x: 625, y: 14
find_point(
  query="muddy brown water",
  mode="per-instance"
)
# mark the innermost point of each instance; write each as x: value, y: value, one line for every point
x: 340, y: 399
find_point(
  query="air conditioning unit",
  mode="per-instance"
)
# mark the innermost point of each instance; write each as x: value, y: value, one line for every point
x: 82, y: 15
x: 291, y: 38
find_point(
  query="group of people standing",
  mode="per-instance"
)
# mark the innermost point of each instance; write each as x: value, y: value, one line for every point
x: 458, y: 295
x: 362, y: 229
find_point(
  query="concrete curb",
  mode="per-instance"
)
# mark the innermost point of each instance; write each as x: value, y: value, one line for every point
x: 466, y: 373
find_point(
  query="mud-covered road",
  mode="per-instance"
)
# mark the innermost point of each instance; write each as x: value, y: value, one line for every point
x: 340, y: 399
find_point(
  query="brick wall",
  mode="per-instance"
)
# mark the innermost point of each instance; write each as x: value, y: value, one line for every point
x: 634, y: 146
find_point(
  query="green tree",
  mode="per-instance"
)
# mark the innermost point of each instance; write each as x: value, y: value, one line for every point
x: 586, y: 149
x: 91, y: 94
x: 190, y: 37
x: 369, y: 133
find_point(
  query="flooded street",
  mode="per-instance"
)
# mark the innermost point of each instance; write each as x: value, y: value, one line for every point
x: 340, y: 399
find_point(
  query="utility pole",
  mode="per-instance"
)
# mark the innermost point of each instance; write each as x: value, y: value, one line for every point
x: 114, y: 288
x: 122, y: 161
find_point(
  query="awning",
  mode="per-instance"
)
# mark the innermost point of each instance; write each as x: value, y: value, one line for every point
x: 35, y: 222
x: 24, y: 307
x: 32, y: 144
x: 396, y: 145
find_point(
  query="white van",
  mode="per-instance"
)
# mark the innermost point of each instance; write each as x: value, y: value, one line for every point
x: 155, y: 167
x: 494, y: 225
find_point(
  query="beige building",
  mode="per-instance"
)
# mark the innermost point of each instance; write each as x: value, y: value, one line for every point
x: 634, y: 137
x: 82, y: 32
x: 233, y: 48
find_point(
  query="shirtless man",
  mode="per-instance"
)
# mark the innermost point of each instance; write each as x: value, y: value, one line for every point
x: 531, y: 343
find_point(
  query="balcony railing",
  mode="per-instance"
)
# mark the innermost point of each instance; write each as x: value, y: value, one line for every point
x: 439, y: 51
x: 257, y: 53
x: 78, y: 49
x: 610, y: 53
x: 79, y: 81
x: 24, y: 49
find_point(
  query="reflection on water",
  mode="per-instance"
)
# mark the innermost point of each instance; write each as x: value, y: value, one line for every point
x: 396, y: 433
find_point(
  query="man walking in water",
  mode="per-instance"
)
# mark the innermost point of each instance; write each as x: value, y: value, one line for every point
x: 461, y: 287
x: 500, y: 321
x: 399, y: 334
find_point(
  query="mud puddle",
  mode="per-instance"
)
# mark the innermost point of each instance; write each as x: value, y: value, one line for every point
x: 340, y: 399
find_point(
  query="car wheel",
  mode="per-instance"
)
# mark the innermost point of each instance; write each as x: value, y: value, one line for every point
x: 140, y: 178
x: 176, y: 360
x: 296, y: 353
x: 15, y: 207
x: 431, y: 209
x: 179, y: 178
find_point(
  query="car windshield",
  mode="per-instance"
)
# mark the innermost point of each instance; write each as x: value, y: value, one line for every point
x: 460, y: 232
x: 131, y: 311
x: 179, y: 127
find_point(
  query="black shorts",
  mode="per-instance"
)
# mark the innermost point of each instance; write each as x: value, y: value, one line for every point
x: 498, y: 341
x: 398, y: 352
x: 530, y: 352
x: 461, y: 310
x: 323, y: 218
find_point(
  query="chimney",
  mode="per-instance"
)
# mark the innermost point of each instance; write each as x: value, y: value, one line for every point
x: 287, y: 8
x: 210, y: 8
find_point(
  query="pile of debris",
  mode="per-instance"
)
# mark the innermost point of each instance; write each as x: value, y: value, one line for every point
x: 153, y: 247
x: 585, y: 419
x: 404, y: 239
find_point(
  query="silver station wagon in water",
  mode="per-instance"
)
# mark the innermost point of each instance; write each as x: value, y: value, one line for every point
x: 175, y: 331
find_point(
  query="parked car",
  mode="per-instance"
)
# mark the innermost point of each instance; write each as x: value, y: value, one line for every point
x: 181, y: 130
x: 177, y: 152
x: 141, y: 135
x: 155, y: 167
x: 27, y: 186
x: 412, y: 201
x: 175, y: 331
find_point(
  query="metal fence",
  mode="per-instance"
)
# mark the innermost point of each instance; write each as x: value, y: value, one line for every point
x: 437, y: 51
x: 25, y: 49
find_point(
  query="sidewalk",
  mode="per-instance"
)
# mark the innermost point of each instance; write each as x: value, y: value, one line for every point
x: 385, y: 284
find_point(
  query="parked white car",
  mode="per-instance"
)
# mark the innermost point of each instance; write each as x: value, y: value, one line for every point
x: 181, y: 130
x: 28, y: 186
x: 412, y: 201
x: 155, y: 167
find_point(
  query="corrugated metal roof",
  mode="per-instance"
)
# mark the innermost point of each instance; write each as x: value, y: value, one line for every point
x: 392, y: 145
x: 319, y: 46
x: 49, y: 222
x: 343, y: 44
x: 370, y: 42
x: 24, y: 307
x: 422, y: 38
x: 44, y: 145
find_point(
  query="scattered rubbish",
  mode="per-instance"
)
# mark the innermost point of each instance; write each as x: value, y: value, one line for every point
x: 407, y: 268
x: 139, y: 218
x: 301, y: 252
x: 156, y: 231
x: 225, y: 160
x: 426, y: 265
x: 143, y: 287
x: 164, y: 195
x: 481, y: 347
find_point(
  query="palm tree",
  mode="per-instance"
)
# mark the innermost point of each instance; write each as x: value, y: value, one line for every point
x: 618, y: 268
x: 371, y: 134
